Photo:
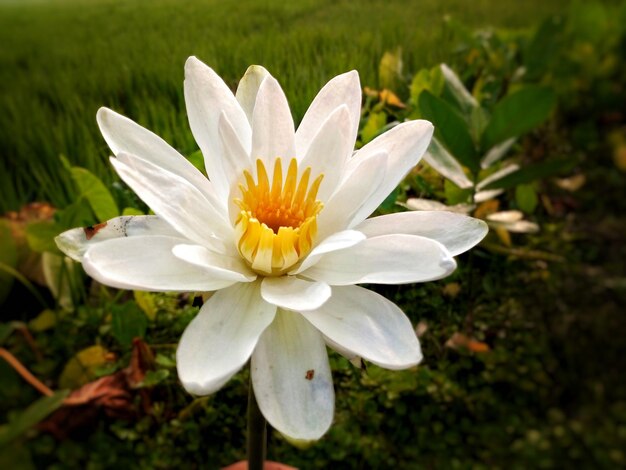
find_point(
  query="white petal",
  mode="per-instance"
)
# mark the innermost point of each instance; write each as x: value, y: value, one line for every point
x: 351, y: 356
x: 125, y: 136
x: 482, y: 196
x: 344, y: 89
x: 497, y: 175
x: 236, y: 158
x: 249, y: 87
x: 368, y: 325
x: 497, y: 152
x: 457, y: 232
x: 272, y: 128
x: 405, y: 144
x: 446, y: 165
x: 337, y: 241
x: 515, y: 226
x: 348, y: 200
x: 293, y: 293
x: 522, y: 226
x: 219, y: 341
x: 147, y: 263
x: 329, y: 151
x: 291, y: 378
x: 206, y: 97
x: 506, y: 216
x: 419, y: 204
x: 174, y: 199
x: 458, y: 90
x: 227, y: 267
x: 387, y: 259
x: 75, y: 242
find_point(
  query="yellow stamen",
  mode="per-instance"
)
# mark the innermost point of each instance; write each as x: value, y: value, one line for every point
x: 276, y: 226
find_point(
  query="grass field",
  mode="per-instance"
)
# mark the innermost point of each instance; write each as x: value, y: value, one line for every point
x: 61, y: 60
x: 523, y: 355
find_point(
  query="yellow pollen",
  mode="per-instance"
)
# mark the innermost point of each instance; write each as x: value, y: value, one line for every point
x: 277, y: 222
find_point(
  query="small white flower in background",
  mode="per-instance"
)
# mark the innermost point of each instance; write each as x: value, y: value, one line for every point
x: 511, y: 221
x: 279, y: 230
x: 444, y: 163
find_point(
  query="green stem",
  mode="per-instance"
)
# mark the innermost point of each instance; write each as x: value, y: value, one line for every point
x: 257, y: 433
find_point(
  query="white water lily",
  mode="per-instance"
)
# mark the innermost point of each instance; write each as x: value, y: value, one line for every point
x: 279, y: 231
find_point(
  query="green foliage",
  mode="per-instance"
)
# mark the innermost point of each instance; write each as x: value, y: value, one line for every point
x: 390, y: 71
x: 518, y: 113
x: 96, y: 194
x: 127, y: 322
x: 375, y: 122
x: 526, y: 198
x: 8, y: 258
x: 54, y: 83
x: 533, y: 172
x: 450, y: 128
x: 32, y: 415
x: 431, y: 80
x: 549, y: 371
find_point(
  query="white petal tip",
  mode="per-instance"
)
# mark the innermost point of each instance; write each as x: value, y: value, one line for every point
x: 198, y: 389
x: 191, y: 61
x: 301, y: 444
x: 103, y: 117
x: 193, y: 65
x: 102, y: 112
x: 67, y: 244
x: 448, y: 265
x: 484, y: 229
x: 256, y: 70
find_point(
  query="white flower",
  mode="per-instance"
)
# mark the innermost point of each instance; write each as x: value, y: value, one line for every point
x: 511, y: 221
x: 280, y: 233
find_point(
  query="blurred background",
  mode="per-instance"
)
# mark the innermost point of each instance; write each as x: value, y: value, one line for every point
x: 524, y: 344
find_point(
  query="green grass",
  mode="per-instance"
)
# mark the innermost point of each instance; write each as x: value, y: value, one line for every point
x: 60, y: 61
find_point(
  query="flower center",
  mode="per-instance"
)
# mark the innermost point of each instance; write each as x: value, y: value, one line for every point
x: 277, y: 222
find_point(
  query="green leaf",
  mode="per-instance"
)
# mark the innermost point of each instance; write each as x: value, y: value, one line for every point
x: 128, y: 321
x: 146, y: 302
x: 390, y: 201
x: 96, y: 193
x: 44, y: 321
x: 77, y: 214
x: 531, y: 173
x: 390, y: 71
x: 431, y: 80
x: 164, y: 361
x: 197, y: 160
x: 8, y: 257
x: 454, y: 194
x: 81, y: 368
x: 478, y: 119
x: 518, y: 113
x: 544, y: 45
x: 132, y: 211
x: 374, y: 125
x: 456, y: 93
x: 31, y: 416
x: 40, y: 236
x: 154, y: 377
x: 526, y: 198
x: 450, y: 128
